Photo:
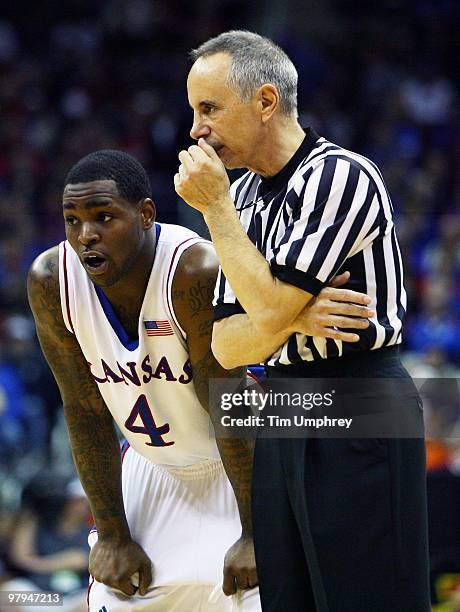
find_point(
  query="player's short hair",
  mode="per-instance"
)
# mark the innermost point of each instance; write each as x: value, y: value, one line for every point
x: 108, y: 164
x: 256, y: 60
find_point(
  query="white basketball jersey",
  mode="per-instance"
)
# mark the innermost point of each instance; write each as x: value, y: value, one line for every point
x: 147, y: 383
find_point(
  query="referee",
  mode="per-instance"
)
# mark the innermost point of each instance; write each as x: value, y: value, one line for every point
x: 339, y: 524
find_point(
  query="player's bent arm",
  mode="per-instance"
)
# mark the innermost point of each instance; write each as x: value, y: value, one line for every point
x: 194, y: 283
x: 92, y: 434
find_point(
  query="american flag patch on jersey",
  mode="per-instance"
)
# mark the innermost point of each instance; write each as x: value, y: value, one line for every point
x: 158, y: 328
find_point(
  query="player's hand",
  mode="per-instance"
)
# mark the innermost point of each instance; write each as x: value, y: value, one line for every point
x: 201, y: 179
x: 240, y: 567
x: 114, y: 563
x: 333, y: 310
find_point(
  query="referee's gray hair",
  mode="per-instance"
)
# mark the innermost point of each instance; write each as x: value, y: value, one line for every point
x: 256, y: 60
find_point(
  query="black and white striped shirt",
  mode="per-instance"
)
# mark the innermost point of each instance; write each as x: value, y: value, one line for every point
x: 325, y: 212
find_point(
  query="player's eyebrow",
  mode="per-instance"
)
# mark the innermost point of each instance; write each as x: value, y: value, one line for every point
x: 88, y: 205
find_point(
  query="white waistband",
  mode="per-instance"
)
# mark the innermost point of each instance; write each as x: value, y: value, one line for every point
x: 198, y: 470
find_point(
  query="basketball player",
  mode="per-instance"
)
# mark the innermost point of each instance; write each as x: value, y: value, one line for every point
x: 123, y: 311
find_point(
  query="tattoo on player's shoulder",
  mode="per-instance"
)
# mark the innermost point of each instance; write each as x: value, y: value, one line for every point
x: 178, y: 294
x: 50, y: 265
x: 200, y: 296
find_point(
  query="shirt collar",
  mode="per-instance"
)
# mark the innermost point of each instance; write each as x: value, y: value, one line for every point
x: 281, y: 178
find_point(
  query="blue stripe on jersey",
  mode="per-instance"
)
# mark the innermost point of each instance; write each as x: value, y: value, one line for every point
x: 129, y: 343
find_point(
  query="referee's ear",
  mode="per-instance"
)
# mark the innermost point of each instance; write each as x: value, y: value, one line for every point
x: 267, y: 101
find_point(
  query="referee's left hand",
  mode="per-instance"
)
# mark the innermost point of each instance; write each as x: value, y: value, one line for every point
x: 240, y: 566
x: 201, y: 179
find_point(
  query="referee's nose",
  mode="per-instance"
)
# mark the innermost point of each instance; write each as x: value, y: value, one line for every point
x: 199, y: 128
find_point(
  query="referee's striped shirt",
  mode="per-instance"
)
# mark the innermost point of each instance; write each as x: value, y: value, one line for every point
x: 325, y: 212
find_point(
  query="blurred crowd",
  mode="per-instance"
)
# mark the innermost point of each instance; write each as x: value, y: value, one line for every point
x: 81, y: 75
x: 49, y: 551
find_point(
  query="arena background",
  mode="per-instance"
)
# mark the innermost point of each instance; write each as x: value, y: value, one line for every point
x: 76, y: 76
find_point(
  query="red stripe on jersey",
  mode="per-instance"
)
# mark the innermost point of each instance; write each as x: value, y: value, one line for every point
x: 170, y: 270
x: 66, y: 288
x: 253, y: 376
x: 89, y: 590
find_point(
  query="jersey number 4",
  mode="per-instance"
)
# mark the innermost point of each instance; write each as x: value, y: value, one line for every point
x: 142, y: 410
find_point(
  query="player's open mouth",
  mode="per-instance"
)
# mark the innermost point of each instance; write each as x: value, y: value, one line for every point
x: 94, y: 263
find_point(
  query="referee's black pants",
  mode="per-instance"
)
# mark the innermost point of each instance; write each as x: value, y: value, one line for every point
x: 340, y: 525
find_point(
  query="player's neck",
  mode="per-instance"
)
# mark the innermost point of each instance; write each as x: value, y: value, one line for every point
x: 128, y: 294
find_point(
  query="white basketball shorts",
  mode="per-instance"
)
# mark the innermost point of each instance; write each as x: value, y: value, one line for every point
x: 185, y: 519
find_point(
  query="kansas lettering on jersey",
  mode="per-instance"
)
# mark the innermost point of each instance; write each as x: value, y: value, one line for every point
x: 146, y: 383
x: 327, y: 211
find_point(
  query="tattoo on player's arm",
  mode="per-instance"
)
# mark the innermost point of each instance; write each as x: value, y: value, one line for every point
x: 93, y: 438
x: 200, y: 296
x: 237, y: 457
x: 203, y: 370
x: 96, y: 454
x: 236, y: 454
x: 205, y: 329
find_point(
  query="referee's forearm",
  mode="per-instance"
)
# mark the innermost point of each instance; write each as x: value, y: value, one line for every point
x: 270, y: 304
x: 245, y: 268
x: 237, y: 342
